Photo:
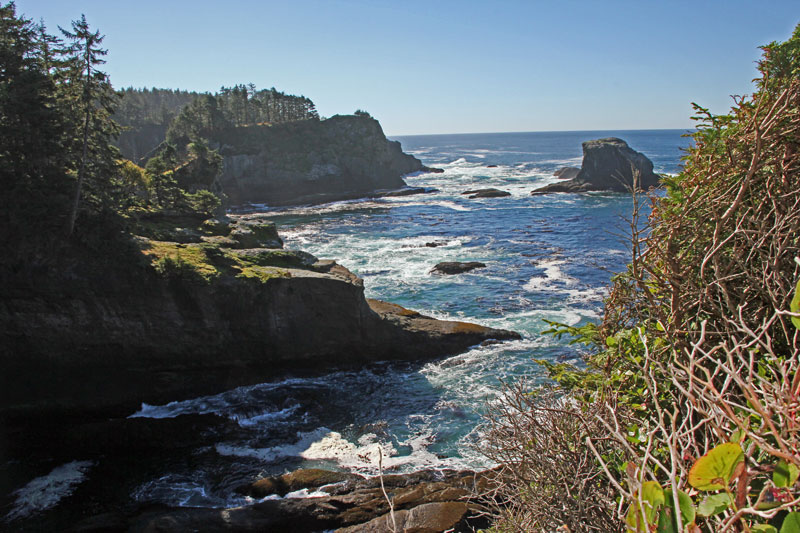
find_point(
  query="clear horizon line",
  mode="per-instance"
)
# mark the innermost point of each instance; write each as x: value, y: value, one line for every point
x: 688, y: 130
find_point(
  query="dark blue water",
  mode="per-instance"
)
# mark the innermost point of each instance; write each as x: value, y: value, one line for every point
x: 548, y: 257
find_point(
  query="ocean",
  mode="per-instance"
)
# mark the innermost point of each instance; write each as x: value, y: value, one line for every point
x: 547, y: 258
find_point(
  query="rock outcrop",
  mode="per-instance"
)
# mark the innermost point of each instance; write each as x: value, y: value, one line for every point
x: 311, y: 161
x: 486, y: 193
x: 608, y: 165
x: 426, y: 501
x: 456, y: 267
x: 567, y: 173
x: 186, y: 319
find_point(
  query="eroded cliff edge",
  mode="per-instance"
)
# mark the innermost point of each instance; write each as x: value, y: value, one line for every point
x: 192, y: 318
x: 312, y: 161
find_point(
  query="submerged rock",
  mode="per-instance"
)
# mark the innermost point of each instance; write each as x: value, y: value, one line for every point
x: 608, y: 165
x: 456, y: 267
x: 486, y: 193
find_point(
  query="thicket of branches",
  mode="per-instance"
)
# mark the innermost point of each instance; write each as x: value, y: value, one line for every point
x: 688, y: 407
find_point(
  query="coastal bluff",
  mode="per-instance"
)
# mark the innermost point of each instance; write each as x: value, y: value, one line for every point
x: 311, y: 161
x: 609, y: 164
x: 174, y: 320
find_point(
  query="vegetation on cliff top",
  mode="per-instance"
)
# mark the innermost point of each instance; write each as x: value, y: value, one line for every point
x: 67, y: 189
x: 685, y: 417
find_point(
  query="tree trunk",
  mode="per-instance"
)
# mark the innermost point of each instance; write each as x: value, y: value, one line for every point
x: 81, y: 171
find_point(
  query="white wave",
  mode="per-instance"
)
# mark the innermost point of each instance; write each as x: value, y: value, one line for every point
x: 45, y: 492
x: 270, y: 416
x: 363, y: 456
x: 274, y: 453
x: 554, y: 278
x: 304, y: 493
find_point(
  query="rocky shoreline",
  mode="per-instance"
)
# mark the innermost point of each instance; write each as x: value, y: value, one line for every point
x: 227, y: 311
x: 192, y: 307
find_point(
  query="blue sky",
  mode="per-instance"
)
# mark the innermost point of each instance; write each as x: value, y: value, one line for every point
x: 442, y: 66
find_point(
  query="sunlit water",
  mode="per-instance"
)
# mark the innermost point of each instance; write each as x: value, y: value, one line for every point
x: 548, y: 258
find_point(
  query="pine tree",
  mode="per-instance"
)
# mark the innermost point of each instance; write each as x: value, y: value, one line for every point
x: 32, y: 154
x: 95, y: 98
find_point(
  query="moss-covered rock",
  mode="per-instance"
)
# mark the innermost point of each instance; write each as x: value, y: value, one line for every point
x: 277, y: 258
x: 216, y: 226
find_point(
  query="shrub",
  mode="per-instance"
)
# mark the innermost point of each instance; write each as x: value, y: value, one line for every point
x: 693, y: 373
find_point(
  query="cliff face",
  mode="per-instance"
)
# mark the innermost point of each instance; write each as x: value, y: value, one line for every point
x: 311, y: 161
x: 129, y: 335
x: 608, y: 165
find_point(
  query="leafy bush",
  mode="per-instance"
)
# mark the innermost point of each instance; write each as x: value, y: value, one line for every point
x: 693, y: 373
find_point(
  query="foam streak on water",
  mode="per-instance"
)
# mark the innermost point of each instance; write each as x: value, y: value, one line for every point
x: 45, y: 492
x: 547, y: 258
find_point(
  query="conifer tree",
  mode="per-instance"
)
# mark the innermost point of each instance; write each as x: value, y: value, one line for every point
x: 92, y: 91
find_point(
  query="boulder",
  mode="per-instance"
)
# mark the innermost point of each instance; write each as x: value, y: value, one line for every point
x: 567, y: 173
x: 216, y: 226
x: 486, y: 193
x: 608, y: 165
x: 305, y: 478
x: 426, y: 518
x: 456, y: 267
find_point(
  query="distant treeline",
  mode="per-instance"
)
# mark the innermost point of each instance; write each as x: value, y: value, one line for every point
x: 149, y: 116
x: 241, y: 105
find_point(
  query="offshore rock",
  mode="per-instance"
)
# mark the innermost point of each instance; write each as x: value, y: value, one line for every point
x: 486, y: 193
x: 312, y: 161
x: 456, y: 267
x: 608, y: 165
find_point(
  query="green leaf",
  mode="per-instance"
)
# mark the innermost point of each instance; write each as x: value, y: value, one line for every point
x: 714, y: 504
x: 652, y: 497
x: 795, y: 306
x: 713, y: 471
x: 666, y: 520
x: 763, y: 528
x: 737, y: 436
x: 785, y: 474
x: 791, y: 524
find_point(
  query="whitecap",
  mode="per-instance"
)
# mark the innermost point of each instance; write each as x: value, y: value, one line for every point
x: 45, y: 492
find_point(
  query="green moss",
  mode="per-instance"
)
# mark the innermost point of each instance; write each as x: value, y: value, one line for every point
x: 168, y: 228
x: 263, y: 274
x: 215, y: 227
x: 180, y: 261
x: 278, y: 258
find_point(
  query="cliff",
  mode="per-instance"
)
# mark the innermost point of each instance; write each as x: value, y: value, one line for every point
x: 608, y: 165
x: 311, y: 161
x: 175, y: 320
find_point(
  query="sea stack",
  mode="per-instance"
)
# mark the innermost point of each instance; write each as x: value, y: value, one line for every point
x: 608, y: 165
